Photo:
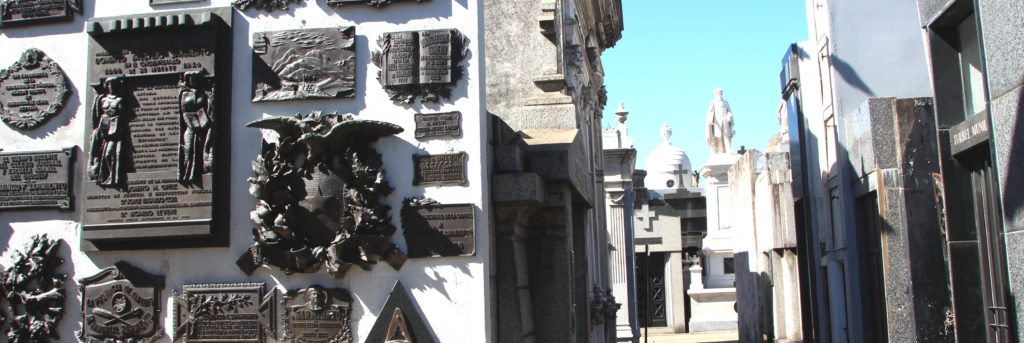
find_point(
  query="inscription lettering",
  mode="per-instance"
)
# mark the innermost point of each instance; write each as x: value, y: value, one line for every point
x: 439, y: 169
x: 35, y: 179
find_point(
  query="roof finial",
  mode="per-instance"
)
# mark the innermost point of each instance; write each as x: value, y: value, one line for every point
x: 621, y: 113
x: 666, y: 133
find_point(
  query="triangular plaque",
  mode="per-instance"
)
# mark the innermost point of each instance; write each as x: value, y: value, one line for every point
x: 404, y: 325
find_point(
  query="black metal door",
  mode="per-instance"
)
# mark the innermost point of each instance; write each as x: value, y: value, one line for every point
x: 651, y: 289
x: 993, y: 253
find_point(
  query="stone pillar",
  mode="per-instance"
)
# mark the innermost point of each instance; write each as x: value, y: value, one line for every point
x: 619, y: 159
x: 676, y: 299
x: 515, y: 308
x: 696, y: 277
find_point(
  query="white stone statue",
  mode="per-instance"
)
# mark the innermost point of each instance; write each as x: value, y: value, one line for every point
x: 719, y: 125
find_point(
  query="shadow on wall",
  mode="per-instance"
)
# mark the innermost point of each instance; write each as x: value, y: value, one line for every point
x: 850, y: 75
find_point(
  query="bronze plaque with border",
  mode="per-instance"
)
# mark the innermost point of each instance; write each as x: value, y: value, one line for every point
x: 36, y: 179
x: 27, y: 12
x: 430, y: 125
x: 214, y: 313
x: 433, y: 229
x: 439, y: 169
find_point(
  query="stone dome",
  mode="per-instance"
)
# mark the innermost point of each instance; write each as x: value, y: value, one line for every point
x: 667, y: 166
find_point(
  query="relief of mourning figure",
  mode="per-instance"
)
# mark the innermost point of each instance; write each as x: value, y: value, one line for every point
x: 319, y: 186
x: 107, y: 156
x: 196, y: 106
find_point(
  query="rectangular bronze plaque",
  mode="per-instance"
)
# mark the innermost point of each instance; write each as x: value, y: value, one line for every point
x: 435, y: 57
x: 317, y: 314
x: 439, y: 169
x: 304, y: 64
x: 166, y: 2
x: 25, y: 12
x: 374, y: 3
x: 157, y: 111
x: 438, y: 124
x: 433, y: 229
x: 241, y: 313
x: 401, y: 60
x: 36, y: 179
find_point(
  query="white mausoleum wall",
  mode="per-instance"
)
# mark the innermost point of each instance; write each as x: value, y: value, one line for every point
x: 452, y: 292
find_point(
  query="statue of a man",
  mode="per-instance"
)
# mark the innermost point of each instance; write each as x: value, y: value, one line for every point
x: 719, y: 125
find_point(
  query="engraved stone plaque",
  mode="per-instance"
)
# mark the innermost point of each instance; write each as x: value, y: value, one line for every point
x: 434, y: 229
x: 304, y: 64
x: 317, y: 314
x: 423, y: 64
x: 373, y: 3
x: 241, y: 313
x: 438, y: 124
x: 25, y: 12
x: 153, y: 128
x: 399, y: 321
x: 121, y: 304
x: 37, y: 179
x: 439, y: 169
x: 32, y: 90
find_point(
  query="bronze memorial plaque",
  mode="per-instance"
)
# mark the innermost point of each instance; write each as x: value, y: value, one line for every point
x: 34, y: 291
x: 36, y: 179
x: 26, y: 12
x: 373, y: 3
x: 438, y: 124
x: 156, y: 110
x: 434, y: 229
x: 317, y: 314
x: 32, y: 90
x: 167, y: 2
x: 265, y: 5
x: 423, y: 64
x: 121, y: 304
x: 439, y: 169
x: 399, y: 321
x: 304, y: 64
x: 240, y: 313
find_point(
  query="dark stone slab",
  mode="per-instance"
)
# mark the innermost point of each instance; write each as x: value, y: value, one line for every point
x: 439, y: 169
x: 156, y: 132
x: 241, y: 312
x: 121, y: 304
x: 34, y: 292
x: 27, y: 12
x: 304, y: 64
x: 32, y: 90
x: 317, y: 314
x: 37, y: 179
x: 433, y: 229
x: 372, y: 3
x: 319, y: 187
x: 399, y: 321
x: 969, y: 133
x: 438, y: 124
x: 420, y: 64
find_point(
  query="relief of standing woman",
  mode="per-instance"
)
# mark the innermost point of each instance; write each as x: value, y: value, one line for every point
x: 195, y: 106
x: 109, y: 136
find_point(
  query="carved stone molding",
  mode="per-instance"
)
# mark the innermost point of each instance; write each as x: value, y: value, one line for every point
x: 33, y: 292
x: 420, y: 64
x: 121, y: 304
x: 318, y: 186
x: 32, y: 90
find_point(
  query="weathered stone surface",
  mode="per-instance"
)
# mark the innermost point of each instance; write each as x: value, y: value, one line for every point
x: 1015, y: 255
x: 525, y: 188
x: 121, y: 304
x: 37, y: 179
x: 152, y: 130
x: 304, y: 64
x: 20, y: 12
x: 32, y: 90
x: 242, y: 312
x: 1003, y: 36
x: 1007, y: 128
x: 399, y: 321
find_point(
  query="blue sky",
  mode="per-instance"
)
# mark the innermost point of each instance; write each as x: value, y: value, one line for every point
x: 674, y: 53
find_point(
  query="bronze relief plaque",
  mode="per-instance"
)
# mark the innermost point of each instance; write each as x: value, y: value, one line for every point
x: 121, y: 304
x: 241, y: 313
x: 34, y: 292
x: 420, y: 64
x: 438, y: 124
x: 433, y: 229
x: 26, y: 12
x: 372, y: 3
x: 304, y: 64
x: 37, y: 179
x: 167, y: 2
x: 32, y: 90
x: 439, y: 169
x: 317, y: 314
x: 156, y: 113
x: 399, y: 321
